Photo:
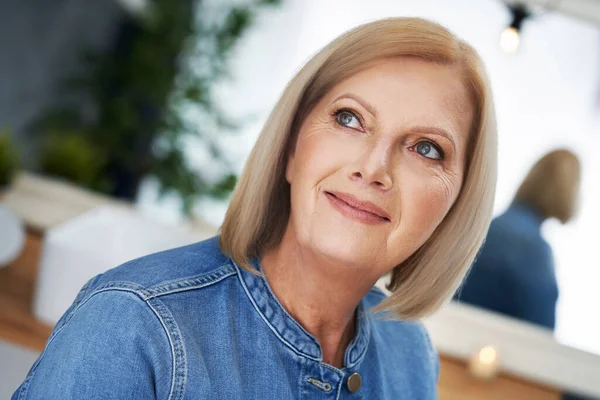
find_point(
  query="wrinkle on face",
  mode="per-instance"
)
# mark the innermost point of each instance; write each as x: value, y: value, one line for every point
x: 402, y: 94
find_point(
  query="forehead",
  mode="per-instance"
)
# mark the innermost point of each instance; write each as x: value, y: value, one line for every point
x: 411, y: 88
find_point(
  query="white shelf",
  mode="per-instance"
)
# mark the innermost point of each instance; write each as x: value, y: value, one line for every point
x: 526, y: 351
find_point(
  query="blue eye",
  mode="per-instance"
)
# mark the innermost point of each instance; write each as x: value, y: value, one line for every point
x: 348, y: 119
x: 429, y: 150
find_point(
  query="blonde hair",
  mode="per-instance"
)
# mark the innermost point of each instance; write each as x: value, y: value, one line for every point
x: 260, y: 207
x: 552, y: 185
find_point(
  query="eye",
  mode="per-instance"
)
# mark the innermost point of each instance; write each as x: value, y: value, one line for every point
x: 429, y: 150
x: 348, y: 119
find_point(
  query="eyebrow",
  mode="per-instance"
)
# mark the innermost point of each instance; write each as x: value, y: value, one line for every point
x: 368, y: 106
x: 434, y: 131
x: 416, y: 129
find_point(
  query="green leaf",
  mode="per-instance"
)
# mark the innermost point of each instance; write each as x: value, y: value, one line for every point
x: 71, y: 156
x: 224, y: 187
x: 9, y: 158
x: 236, y: 22
x: 141, y: 99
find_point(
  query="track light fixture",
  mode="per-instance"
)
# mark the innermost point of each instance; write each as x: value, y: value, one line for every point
x: 510, y: 37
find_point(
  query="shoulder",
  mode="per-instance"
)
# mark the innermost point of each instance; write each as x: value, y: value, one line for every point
x: 108, y: 343
x: 407, y: 341
x: 147, y: 279
x: 403, y: 352
x: 118, y: 334
x: 538, y: 251
x: 192, y: 266
x: 507, y: 233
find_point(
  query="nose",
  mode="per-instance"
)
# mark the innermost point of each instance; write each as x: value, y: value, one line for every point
x: 373, y: 167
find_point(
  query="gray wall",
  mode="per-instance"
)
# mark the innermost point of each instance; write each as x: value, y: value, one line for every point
x: 41, y: 42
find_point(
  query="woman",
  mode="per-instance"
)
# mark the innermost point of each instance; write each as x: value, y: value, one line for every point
x: 378, y: 158
x: 514, y: 273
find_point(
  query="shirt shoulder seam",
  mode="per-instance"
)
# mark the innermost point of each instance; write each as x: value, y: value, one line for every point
x: 189, y: 283
x: 165, y: 288
x: 127, y: 287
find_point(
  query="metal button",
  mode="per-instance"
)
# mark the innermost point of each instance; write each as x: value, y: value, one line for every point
x: 354, y: 382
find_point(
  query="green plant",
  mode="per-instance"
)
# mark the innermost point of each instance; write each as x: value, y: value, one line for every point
x: 9, y: 159
x: 70, y: 156
x: 135, y: 120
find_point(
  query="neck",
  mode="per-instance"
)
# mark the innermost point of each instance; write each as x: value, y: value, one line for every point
x: 321, y: 295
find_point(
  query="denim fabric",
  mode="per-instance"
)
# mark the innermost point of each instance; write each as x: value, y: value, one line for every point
x: 514, y: 272
x: 190, y: 324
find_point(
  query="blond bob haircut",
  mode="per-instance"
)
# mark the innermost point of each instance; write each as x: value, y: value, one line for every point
x: 552, y: 185
x: 260, y: 207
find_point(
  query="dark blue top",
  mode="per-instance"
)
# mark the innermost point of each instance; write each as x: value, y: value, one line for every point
x: 189, y: 324
x: 514, y: 271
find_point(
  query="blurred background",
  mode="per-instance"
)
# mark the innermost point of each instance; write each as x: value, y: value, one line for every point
x: 126, y: 122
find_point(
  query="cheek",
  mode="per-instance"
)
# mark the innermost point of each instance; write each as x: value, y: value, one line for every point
x: 428, y: 197
x: 308, y: 166
x: 319, y: 154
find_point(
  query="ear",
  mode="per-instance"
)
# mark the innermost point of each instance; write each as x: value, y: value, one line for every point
x: 289, y: 169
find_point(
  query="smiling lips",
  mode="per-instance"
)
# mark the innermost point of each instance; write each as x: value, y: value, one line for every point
x: 354, y: 208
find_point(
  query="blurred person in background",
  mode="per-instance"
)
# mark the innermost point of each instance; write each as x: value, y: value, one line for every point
x: 380, y: 157
x: 514, y: 272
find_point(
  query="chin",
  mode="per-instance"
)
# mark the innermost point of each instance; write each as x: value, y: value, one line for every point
x: 345, y: 247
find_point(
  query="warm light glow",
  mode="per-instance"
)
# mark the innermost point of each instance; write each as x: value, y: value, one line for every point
x: 510, y: 39
x: 485, y: 363
x: 488, y: 355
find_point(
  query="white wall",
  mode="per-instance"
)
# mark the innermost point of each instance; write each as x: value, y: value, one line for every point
x: 546, y: 96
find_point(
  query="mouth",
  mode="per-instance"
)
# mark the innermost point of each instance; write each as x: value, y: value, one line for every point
x: 354, y: 208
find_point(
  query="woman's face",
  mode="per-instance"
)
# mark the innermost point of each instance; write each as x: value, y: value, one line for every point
x: 378, y: 163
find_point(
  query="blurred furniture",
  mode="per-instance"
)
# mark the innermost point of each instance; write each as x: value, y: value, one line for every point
x: 456, y: 383
x: 43, y: 205
x: 90, y: 244
x: 12, y: 236
x: 40, y: 204
x: 532, y: 365
x: 17, y: 288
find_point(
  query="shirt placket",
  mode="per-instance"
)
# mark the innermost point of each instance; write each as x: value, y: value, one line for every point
x: 320, y: 381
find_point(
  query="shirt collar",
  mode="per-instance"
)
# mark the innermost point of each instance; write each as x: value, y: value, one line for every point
x: 289, y: 331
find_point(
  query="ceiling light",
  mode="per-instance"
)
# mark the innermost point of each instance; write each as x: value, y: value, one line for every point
x: 511, y: 36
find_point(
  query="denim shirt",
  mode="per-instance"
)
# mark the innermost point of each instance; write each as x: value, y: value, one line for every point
x: 514, y: 272
x: 190, y: 324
